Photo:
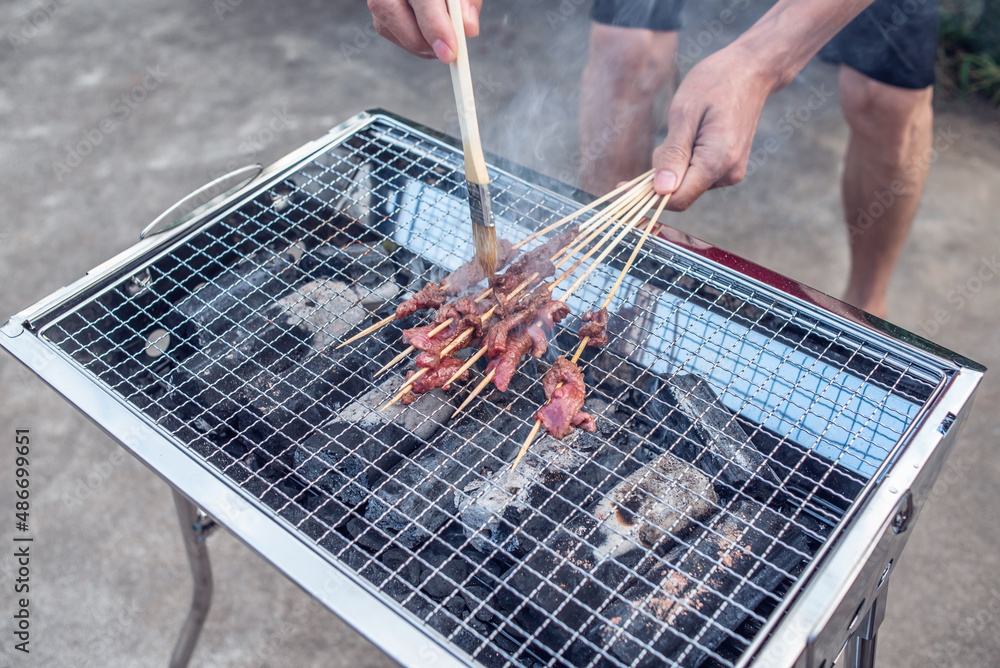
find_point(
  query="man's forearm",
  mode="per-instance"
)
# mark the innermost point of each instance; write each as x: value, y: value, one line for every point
x: 783, y: 40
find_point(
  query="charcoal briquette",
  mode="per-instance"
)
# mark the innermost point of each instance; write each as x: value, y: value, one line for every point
x: 688, y: 593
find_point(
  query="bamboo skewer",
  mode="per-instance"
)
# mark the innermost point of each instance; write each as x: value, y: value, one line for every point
x: 378, y: 325
x: 436, y: 330
x: 607, y: 302
x: 640, y: 181
x: 642, y: 208
x: 570, y: 249
x: 475, y: 393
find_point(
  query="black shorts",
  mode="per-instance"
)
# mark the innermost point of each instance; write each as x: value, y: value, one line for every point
x: 648, y: 14
x: 892, y: 41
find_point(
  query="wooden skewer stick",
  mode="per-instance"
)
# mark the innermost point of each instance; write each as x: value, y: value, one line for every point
x: 475, y: 393
x: 600, y: 222
x: 642, y: 208
x: 623, y: 201
x: 468, y: 364
x: 607, y: 302
x: 408, y: 385
x: 378, y: 325
x: 618, y: 222
x: 642, y: 180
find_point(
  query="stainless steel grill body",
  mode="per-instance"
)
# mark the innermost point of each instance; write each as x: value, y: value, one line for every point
x: 815, y: 431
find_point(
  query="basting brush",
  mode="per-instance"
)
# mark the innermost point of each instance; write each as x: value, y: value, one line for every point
x: 477, y: 179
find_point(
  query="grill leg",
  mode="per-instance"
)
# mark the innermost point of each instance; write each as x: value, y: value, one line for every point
x: 194, y: 530
x: 860, y: 649
x: 860, y: 652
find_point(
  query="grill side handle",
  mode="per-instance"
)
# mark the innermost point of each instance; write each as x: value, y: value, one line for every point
x: 204, y: 198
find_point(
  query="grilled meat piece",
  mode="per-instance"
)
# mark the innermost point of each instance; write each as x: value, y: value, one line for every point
x: 457, y: 308
x: 420, y: 338
x: 517, y: 346
x: 595, y: 331
x: 563, y: 386
x: 431, y: 357
x: 463, y: 312
x: 434, y: 378
x: 518, y: 273
x: 548, y: 315
x: 521, y: 313
x: 534, y: 261
x: 429, y: 296
x: 469, y: 273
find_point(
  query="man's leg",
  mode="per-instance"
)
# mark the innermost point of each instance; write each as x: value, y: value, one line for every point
x: 626, y: 70
x: 884, y: 174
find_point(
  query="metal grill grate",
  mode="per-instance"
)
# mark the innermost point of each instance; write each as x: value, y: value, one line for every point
x: 750, y: 425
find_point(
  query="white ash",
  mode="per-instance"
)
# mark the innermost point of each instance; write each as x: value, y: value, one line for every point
x: 483, y: 503
x: 329, y: 308
x: 421, y: 418
x: 657, y: 501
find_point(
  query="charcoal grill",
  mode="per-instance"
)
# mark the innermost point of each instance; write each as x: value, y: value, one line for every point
x: 762, y: 449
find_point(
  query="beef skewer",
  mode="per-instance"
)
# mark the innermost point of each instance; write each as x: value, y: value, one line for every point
x: 637, y: 183
x: 509, y: 365
x: 583, y: 343
x: 532, y: 259
x: 589, y: 230
x: 535, y: 259
x: 628, y: 216
x: 522, y: 264
x: 632, y: 216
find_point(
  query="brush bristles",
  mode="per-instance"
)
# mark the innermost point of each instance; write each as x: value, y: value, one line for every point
x: 485, y: 240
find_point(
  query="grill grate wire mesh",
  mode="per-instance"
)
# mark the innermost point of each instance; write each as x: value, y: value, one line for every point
x: 228, y: 345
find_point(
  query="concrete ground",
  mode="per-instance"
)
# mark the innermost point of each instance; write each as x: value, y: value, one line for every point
x: 169, y: 93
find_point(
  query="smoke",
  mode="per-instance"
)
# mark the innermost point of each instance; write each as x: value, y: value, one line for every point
x: 526, y: 67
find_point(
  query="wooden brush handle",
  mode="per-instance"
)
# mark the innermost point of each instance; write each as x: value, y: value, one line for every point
x: 461, y: 81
